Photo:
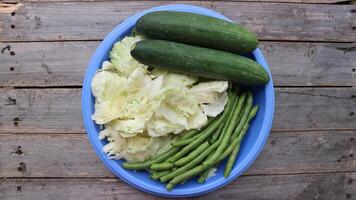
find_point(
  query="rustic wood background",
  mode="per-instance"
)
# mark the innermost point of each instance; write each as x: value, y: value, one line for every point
x: 45, y: 46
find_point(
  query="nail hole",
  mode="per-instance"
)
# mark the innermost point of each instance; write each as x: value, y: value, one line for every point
x: 12, y: 53
x: 349, y: 181
x: 348, y: 196
x: 352, y: 139
x: 18, y: 150
x: 352, y: 113
x: 18, y: 188
x: 12, y: 69
x: 273, y: 142
x: 354, y: 28
x: 13, y: 26
x: 351, y: 155
x: 16, y: 123
x: 22, y: 167
x: 16, y: 119
x: 353, y: 69
x: 13, y: 13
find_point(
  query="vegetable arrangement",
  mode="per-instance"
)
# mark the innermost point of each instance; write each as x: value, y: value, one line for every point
x: 167, y: 120
x: 142, y: 110
x: 216, y: 141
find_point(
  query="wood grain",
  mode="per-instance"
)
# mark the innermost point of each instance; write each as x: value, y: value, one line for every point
x: 92, y: 21
x: 40, y: 111
x: 64, y: 63
x: 59, y: 111
x: 71, y: 155
x: 310, y: 186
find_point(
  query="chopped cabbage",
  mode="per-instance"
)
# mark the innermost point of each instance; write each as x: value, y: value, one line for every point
x: 137, y: 148
x: 209, y: 92
x: 121, y: 58
x: 215, y: 108
x: 172, y: 79
x: 142, y: 110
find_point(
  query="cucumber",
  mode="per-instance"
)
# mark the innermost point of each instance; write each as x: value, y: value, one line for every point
x: 197, y: 30
x: 199, y: 61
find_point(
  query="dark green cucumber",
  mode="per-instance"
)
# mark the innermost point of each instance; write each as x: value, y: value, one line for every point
x: 197, y: 30
x: 199, y: 61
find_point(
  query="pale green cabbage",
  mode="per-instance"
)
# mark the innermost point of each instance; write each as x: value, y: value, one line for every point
x: 133, y: 149
x: 141, y: 110
x: 121, y: 58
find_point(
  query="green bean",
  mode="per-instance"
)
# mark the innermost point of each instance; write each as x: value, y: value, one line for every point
x: 158, y: 175
x: 245, y: 115
x: 227, y: 131
x: 192, y: 155
x: 192, y: 163
x: 202, y: 178
x: 186, y: 141
x: 234, y: 153
x: 137, y: 165
x: 169, y: 186
x: 228, y: 150
x: 147, y: 164
x: 183, y: 181
x: 231, y: 160
x: 207, y: 132
x: 191, y: 133
x: 200, y: 168
x: 215, y: 136
x: 186, y: 175
x: 161, y: 166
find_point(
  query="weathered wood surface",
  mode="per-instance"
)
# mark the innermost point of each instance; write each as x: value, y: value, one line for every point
x: 308, y: 186
x: 59, y: 111
x: 41, y: 111
x: 309, y: 155
x: 44, y: 63
x: 71, y: 155
x: 64, y: 63
x: 92, y: 21
x: 187, y: 1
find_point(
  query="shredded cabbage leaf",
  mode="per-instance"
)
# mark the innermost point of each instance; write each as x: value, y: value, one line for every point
x: 142, y: 110
x: 133, y: 149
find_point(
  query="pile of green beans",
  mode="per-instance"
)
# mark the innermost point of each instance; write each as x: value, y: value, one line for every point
x: 199, y: 151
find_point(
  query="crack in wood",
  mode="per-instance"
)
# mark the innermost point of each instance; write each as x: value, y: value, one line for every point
x: 7, y: 47
x: 316, y: 95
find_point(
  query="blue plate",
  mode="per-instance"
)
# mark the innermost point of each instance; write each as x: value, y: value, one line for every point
x: 252, y: 143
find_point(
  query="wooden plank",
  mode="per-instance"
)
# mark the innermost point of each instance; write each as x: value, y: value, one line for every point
x: 272, y: 1
x: 310, y: 186
x: 315, y: 108
x: 44, y: 63
x: 41, y: 111
x: 59, y: 111
x: 92, y: 21
x: 64, y: 63
x: 71, y: 155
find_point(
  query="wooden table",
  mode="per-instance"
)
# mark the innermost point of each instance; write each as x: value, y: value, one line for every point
x: 46, y: 46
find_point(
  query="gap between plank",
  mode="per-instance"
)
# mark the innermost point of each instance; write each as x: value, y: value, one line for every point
x: 114, y: 178
x: 99, y: 40
x: 347, y: 2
